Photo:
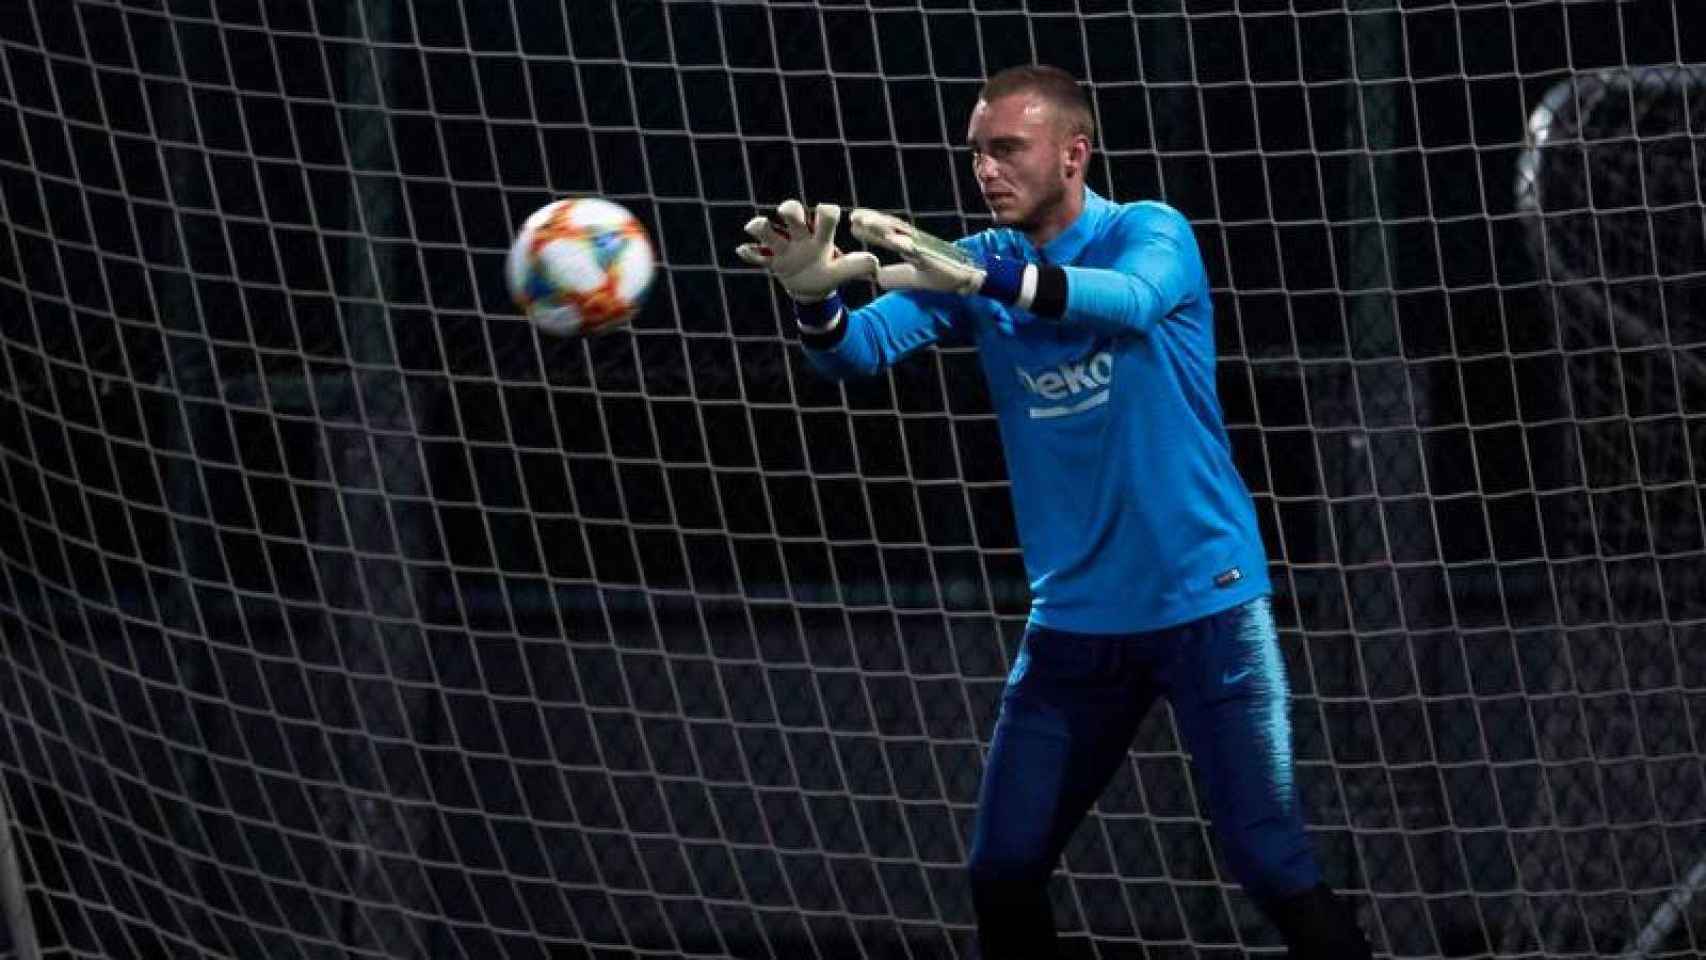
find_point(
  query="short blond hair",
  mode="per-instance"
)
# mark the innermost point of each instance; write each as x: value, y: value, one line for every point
x: 1059, y: 88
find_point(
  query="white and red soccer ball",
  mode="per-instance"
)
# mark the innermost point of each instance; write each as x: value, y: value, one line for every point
x: 580, y: 266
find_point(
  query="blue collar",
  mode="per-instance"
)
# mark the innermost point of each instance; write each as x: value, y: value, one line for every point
x: 1065, y: 248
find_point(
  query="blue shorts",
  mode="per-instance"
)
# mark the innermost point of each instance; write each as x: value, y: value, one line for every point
x: 1071, y: 707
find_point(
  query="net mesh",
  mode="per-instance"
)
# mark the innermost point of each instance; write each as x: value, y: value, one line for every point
x: 342, y: 616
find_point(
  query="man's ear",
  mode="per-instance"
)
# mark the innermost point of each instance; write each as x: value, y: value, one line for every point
x: 1077, y: 154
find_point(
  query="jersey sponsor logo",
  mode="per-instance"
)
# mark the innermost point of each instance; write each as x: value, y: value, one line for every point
x: 1072, y: 387
x: 1229, y: 577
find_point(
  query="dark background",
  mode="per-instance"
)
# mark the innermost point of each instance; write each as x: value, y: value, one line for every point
x: 342, y: 616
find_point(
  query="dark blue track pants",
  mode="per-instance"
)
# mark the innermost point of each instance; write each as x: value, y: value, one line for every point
x: 1070, y: 710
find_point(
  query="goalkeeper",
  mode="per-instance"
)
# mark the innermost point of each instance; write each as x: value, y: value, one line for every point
x: 1148, y: 576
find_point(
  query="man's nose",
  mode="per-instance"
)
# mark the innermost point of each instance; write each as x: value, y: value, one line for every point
x: 983, y: 166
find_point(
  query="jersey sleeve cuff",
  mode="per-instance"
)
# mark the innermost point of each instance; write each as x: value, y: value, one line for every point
x: 1037, y: 288
x: 822, y: 324
x: 1004, y: 280
x: 1050, y: 298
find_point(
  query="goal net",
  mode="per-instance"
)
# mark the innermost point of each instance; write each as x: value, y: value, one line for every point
x: 342, y: 616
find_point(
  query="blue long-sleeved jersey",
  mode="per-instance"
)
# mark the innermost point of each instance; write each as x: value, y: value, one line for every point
x: 1131, y: 514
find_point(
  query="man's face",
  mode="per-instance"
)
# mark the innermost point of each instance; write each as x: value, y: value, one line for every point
x: 1021, y: 155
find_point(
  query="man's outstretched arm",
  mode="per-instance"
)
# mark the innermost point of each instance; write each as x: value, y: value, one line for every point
x: 1156, y: 273
x: 799, y: 250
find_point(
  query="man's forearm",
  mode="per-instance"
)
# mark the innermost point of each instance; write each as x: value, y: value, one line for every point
x: 1102, y: 299
x: 867, y: 340
x: 1111, y: 301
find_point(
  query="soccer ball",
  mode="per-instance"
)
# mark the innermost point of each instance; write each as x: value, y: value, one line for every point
x: 580, y: 266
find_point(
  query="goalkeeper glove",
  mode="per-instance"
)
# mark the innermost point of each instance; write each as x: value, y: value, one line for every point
x: 932, y: 263
x: 802, y: 255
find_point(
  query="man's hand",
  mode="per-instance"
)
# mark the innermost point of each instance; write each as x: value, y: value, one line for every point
x: 801, y: 253
x: 931, y: 263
